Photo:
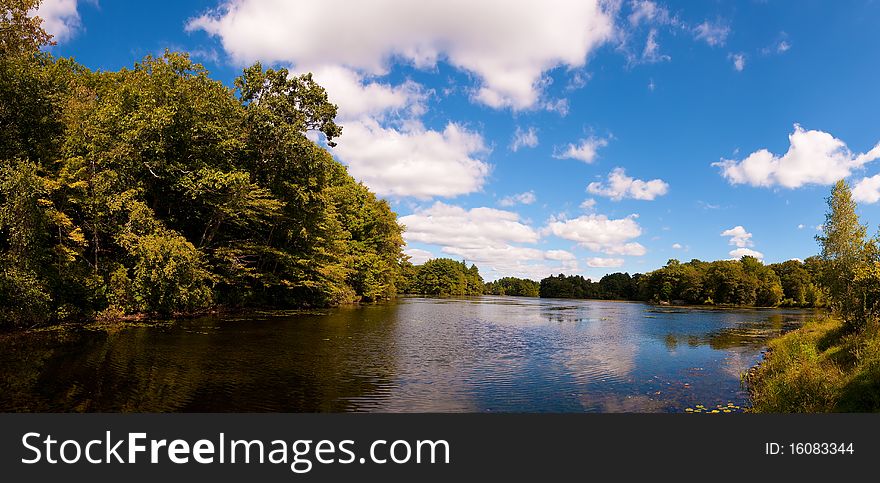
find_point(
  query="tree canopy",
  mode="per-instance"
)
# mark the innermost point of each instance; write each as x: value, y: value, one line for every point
x: 157, y: 189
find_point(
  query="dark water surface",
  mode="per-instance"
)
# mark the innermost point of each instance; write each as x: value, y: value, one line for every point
x: 426, y: 355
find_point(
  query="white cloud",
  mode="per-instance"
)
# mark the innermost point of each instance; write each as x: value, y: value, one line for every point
x: 357, y: 96
x: 867, y: 190
x: 418, y: 256
x: 588, y: 204
x: 677, y: 246
x: 60, y: 18
x: 738, y: 236
x: 526, y: 198
x: 621, y: 186
x: 801, y: 226
x: 601, y: 234
x: 508, y: 56
x: 813, y: 157
x: 585, y: 150
x: 739, y: 61
x: 491, y: 238
x: 495, y: 254
x: 742, y: 252
x: 559, y: 255
x: 712, y: 33
x: 414, y: 161
x: 632, y: 249
x: 453, y: 226
x: 648, y: 11
x: 578, y: 80
x: 598, y: 262
x: 782, y: 47
x: 651, y: 52
x: 559, y: 106
x: 524, y: 138
x: 741, y: 239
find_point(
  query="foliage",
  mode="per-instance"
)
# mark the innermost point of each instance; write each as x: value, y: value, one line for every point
x: 730, y: 282
x: 850, y: 274
x: 156, y: 189
x: 832, y: 364
x: 821, y: 367
x: 446, y: 277
x: 520, y: 287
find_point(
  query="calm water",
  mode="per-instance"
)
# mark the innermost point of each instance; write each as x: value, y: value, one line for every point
x: 472, y: 355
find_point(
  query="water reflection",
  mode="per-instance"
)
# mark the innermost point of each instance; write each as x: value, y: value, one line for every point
x: 464, y: 355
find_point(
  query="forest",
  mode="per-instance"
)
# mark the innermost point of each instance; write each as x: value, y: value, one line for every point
x: 745, y: 282
x: 157, y: 190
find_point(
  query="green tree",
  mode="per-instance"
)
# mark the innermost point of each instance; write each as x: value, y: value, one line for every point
x: 848, y: 269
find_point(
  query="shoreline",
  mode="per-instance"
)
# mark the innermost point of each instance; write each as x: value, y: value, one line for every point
x: 145, y: 319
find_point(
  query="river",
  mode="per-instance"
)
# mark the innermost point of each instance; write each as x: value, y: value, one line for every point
x: 483, y: 354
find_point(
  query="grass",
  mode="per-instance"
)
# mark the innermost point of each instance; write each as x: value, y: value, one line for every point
x: 819, y: 368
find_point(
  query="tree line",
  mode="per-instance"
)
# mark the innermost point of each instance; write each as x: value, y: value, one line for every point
x: 746, y: 281
x: 156, y: 189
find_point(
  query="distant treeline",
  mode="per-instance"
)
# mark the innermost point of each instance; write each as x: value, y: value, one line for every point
x: 520, y: 287
x: 746, y: 281
x: 726, y: 282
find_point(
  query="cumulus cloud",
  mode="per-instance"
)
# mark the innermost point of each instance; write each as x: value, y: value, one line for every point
x: 601, y: 234
x: 414, y: 161
x: 738, y: 237
x: 357, y: 96
x: 585, y: 150
x: 508, y: 57
x: 598, y: 262
x: 386, y: 147
x: 588, y: 204
x: 813, y: 157
x: 743, y: 252
x: 621, y: 186
x: 559, y: 255
x: 60, y: 18
x: 417, y: 256
x: 524, y: 139
x: 632, y: 249
x: 867, y: 190
x: 526, y: 198
x: 712, y: 33
x: 677, y: 246
x: 493, y: 239
x: 450, y: 225
x: 741, y: 239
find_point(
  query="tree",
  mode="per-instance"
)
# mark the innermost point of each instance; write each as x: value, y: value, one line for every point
x: 518, y: 287
x: 446, y: 277
x: 795, y: 281
x: 847, y: 255
x: 157, y: 189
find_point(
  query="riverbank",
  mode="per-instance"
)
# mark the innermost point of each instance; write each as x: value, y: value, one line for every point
x: 116, y: 320
x: 818, y: 368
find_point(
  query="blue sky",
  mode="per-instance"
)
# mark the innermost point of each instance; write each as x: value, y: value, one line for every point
x: 559, y: 136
